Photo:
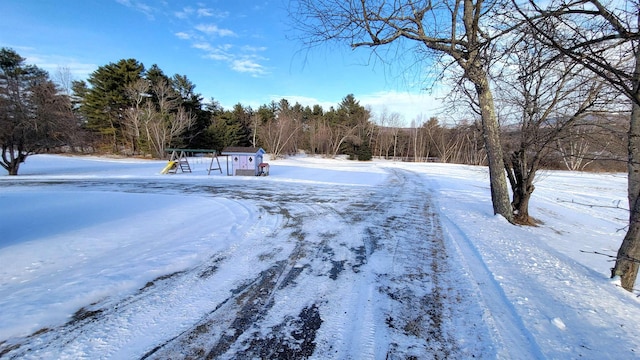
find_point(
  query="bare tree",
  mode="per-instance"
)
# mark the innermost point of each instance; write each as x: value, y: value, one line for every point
x: 370, y: 127
x: 419, y: 139
x: 277, y: 133
x: 445, y: 143
x: 605, y: 38
x: 338, y: 135
x: 312, y: 133
x: 384, y: 138
x: 34, y: 116
x: 456, y: 29
x: 540, y: 106
x: 64, y: 80
x: 152, y: 125
x: 167, y: 120
x: 395, y: 124
x: 578, y: 149
x: 472, y: 152
x: 323, y: 137
x: 138, y: 92
x: 179, y: 121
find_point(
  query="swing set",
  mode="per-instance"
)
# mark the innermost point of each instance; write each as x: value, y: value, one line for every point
x: 180, y: 162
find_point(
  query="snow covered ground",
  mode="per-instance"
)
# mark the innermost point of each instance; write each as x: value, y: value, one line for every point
x: 106, y: 258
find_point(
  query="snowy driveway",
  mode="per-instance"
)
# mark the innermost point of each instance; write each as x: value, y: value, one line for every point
x: 105, y: 258
x: 319, y: 271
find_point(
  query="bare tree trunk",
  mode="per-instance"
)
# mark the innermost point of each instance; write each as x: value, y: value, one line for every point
x: 521, y: 174
x: 629, y: 252
x: 491, y: 134
x: 415, y: 143
x: 341, y: 137
x: 395, y: 142
x: 11, y: 159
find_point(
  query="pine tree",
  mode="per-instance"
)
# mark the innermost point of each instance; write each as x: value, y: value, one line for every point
x: 105, y: 101
x: 195, y: 136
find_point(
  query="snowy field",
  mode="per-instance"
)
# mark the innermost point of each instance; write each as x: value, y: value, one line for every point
x: 108, y: 259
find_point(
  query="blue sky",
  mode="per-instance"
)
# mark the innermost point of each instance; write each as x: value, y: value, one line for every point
x: 239, y: 51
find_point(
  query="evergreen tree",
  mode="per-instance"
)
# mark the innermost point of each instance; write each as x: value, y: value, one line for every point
x: 225, y: 131
x: 105, y: 101
x: 351, y: 113
x: 244, y: 117
x: 353, y: 119
x: 195, y: 137
x: 364, y: 152
x: 156, y: 76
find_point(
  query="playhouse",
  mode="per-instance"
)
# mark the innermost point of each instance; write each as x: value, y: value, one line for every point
x: 247, y: 161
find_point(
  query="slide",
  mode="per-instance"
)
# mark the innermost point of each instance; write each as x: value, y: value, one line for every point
x: 169, y: 167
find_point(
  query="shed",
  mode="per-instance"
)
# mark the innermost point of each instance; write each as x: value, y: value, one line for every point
x: 244, y: 160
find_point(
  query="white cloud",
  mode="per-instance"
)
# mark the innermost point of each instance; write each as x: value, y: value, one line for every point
x: 225, y: 47
x: 184, y: 14
x: 54, y: 63
x: 203, y: 46
x: 248, y: 66
x: 212, y: 29
x: 188, y: 11
x: 221, y: 14
x: 243, y: 61
x: 219, y: 56
x: 183, y: 35
x: 240, y: 58
x: 220, y: 52
x: 202, y: 12
x: 148, y: 10
x: 250, y: 48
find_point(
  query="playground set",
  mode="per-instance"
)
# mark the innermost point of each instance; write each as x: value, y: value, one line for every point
x: 244, y: 161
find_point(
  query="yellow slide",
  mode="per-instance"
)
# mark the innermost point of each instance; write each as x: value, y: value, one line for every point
x: 169, y: 167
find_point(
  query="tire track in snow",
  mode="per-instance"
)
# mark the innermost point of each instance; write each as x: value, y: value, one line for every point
x: 502, y: 317
x: 230, y: 329
x: 237, y: 314
x: 427, y: 306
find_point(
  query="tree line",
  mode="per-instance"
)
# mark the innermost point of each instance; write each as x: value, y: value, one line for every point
x: 123, y: 108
